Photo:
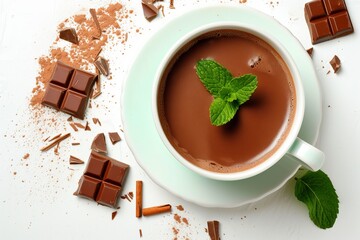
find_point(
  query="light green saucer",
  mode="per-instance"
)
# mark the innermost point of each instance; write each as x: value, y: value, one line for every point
x: 151, y: 153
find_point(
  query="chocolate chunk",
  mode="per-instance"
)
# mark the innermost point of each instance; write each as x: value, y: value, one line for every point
x: 103, y: 65
x: 150, y: 11
x: 335, y: 63
x: 75, y: 160
x: 327, y: 19
x: 69, y: 90
x: 102, y: 180
x: 114, y: 137
x: 99, y: 144
x: 96, y: 21
x: 310, y: 51
x: 213, y: 230
x: 69, y: 34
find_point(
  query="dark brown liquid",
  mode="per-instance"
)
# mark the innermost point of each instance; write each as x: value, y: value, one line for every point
x: 260, y: 123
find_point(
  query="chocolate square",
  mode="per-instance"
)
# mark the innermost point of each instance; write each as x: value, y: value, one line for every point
x: 69, y: 90
x: 102, y: 180
x: 327, y: 19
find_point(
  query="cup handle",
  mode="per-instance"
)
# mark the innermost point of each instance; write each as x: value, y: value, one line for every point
x: 308, y: 156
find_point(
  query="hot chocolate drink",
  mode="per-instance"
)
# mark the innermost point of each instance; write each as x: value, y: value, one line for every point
x: 259, y: 126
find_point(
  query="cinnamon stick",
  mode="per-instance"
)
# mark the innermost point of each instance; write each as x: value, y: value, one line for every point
x: 54, y: 143
x: 156, y: 210
x: 138, y: 204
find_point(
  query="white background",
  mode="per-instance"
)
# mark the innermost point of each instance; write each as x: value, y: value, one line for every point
x: 37, y: 201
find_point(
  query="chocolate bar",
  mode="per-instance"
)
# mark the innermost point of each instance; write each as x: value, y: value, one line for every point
x: 69, y: 90
x: 327, y: 19
x: 102, y: 180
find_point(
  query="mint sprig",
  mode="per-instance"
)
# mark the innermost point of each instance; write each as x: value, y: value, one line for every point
x: 229, y: 92
x: 316, y: 190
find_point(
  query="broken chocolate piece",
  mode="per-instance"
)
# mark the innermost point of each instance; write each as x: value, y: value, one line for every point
x: 213, y: 230
x: 327, y: 19
x: 310, y: 51
x: 335, y: 63
x: 102, y: 180
x: 99, y: 144
x: 103, y: 65
x: 113, y: 215
x: 69, y: 34
x: 69, y: 90
x: 114, y: 137
x: 96, y: 21
x: 75, y: 160
x: 150, y: 11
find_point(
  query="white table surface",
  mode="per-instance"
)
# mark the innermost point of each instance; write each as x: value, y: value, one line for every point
x: 37, y: 201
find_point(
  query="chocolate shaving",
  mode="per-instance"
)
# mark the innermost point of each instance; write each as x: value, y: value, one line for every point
x: 140, y: 233
x: 75, y: 160
x: 87, y: 127
x: 69, y: 34
x: 56, y: 149
x: 79, y: 125
x: 103, y: 65
x: 99, y: 144
x: 114, y: 137
x: 335, y: 63
x: 113, y: 215
x: 161, y: 8
x: 96, y: 121
x: 58, y: 140
x: 72, y: 124
x: 75, y: 143
x: 310, y: 51
x: 96, y: 21
x: 213, y: 230
x: 150, y: 11
x: 171, y: 4
x: 55, y: 137
x: 97, y: 90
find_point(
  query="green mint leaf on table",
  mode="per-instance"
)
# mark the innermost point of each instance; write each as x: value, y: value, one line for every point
x: 317, y: 192
x: 229, y: 92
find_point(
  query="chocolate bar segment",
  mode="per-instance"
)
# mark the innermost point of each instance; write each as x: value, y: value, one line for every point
x: 102, y: 180
x: 69, y: 90
x: 327, y: 19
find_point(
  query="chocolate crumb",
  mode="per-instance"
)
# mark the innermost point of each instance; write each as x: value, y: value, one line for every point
x: 75, y: 160
x: 171, y: 6
x: 26, y: 156
x: 70, y: 119
x: 79, y: 125
x: 177, y: 218
x: 99, y: 144
x: 150, y: 11
x: 310, y: 51
x: 69, y: 34
x: 180, y: 207
x: 184, y: 220
x: 75, y: 143
x: 113, y: 215
x: 114, y: 137
x: 140, y: 232
x: 335, y: 63
x: 102, y: 65
x: 73, y: 126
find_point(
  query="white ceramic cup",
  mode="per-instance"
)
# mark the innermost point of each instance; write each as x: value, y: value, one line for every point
x: 307, y: 155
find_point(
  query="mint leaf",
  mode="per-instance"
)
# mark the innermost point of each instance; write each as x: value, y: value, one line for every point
x: 212, y: 75
x: 317, y: 192
x: 243, y: 87
x: 229, y: 92
x: 222, y: 111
